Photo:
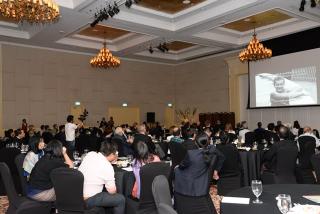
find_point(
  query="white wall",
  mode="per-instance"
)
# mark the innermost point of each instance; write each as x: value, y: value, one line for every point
x: 42, y: 85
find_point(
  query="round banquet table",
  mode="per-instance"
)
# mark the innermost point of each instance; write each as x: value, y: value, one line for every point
x: 251, y: 163
x: 269, y: 193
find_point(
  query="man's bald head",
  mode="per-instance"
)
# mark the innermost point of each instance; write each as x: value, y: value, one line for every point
x: 118, y: 131
x: 307, y: 129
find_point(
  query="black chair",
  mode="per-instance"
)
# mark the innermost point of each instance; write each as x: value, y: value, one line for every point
x: 146, y: 204
x: 18, y: 204
x: 315, y: 160
x: 23, y: 180
x: 162, y: 196
x: 68, y: 186
x: 307, y: 145
x: 250, y: 138
x: 8, y: 155
x: 231, y: 171
x: 178, y: 152
x: 285, y: 168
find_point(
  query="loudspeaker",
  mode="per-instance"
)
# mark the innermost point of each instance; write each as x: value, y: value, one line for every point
x: 151, y: 117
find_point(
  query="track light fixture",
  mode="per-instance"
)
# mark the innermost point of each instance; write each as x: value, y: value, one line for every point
x: 150, y: 49
x: 105, y: 13
x: 302, y: 4
x: 161, y: 47
x: 128, y: 3
x: 313, y: 3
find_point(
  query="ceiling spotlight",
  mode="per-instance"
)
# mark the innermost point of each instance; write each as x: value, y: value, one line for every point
x: 313, y: 3
x: 110, y: 11
x: 150, y: 50
x: 115, y: 8
x: 160, y: 48
x: 128, y: 3
x: 164, y: 46
x: 94, y: 23
x: 302, y: 4
x: 186, y: 1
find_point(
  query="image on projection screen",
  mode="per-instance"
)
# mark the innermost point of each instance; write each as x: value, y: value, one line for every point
x: 295, y: 87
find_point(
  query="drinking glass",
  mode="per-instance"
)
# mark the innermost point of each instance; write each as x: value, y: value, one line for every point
x: 75, y: 155
x: 130, y: 158
x: 256, y: 187
x: 284, y: 203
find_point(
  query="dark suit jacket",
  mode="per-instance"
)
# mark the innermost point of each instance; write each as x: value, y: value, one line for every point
x: 124, y: 148
x: 232, y: 164
x: 145, y: 138
x: 270, y: 157
x: 189, y: 144
x: 193, y: 176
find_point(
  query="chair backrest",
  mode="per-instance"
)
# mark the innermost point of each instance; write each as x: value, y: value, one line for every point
x: 286, y: 164
x: 307, y: 145
x: 315, y: 160
x: 178, y: 152
x: 160, y: 191
x: 68, y: 186
x: 23, y: 180
x: 147, y: 174
x: 250, y: 137
x: 8, y: 184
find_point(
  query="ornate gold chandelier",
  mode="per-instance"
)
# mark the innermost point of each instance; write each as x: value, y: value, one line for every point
x: 255, y: 50
x: 32, y: 11
x: 105, y: 59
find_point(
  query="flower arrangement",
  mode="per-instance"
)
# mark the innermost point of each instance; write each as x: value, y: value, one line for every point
x: 186, y: 115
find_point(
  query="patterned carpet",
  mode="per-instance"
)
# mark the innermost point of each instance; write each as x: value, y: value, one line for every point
x: 4, y: 203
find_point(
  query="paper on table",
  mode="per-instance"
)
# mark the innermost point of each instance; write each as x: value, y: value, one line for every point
x: 235, y: 200
x: 129, y: 169
x: 314, y: 198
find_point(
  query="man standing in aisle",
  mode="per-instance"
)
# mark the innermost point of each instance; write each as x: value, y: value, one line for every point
x: 70, y: 132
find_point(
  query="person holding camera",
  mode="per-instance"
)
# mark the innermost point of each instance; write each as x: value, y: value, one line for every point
x: 70, y: 132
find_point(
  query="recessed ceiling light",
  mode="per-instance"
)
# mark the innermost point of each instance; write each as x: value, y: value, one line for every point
x: 95, y: 30
x: 186, y: 1
x: 247, y: 20
x: 61, y: 31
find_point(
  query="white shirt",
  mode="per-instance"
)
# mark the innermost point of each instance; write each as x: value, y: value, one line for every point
x: 70, y: 131
x: 97, y: 171
x: 242, y: 134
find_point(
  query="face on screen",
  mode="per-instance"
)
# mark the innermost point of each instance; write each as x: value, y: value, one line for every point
x: 279, y: 85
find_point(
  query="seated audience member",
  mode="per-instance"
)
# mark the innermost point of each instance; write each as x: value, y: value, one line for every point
x: 61, y: 136
x: 19, y: 138
x: 208, y: 131
x: 156, y: 130
x: 123, y: 143
x: 270, y: 158
x: 176, y: 136
x: 316, y: 133
x: 191, y: 175
x: 228, y: 128
x: 243, y: 130
x: 36, y: 146
x: 270, y: 134
x: 142, y: 136
x: 141, y: 158
x: 190, y: 143
x: 295, y: 129
x: 307, y: 131
x: 40, y: 185
x: 98, y: 173
x: 259, y: 132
